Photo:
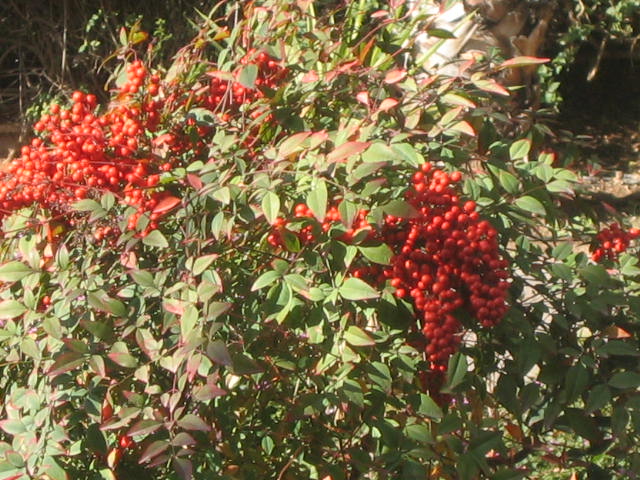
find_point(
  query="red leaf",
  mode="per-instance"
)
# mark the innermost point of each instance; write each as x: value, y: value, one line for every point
x: 380, y: 14
x: 310, y: 76
x: 363, y: 97
x: 387, y: 104
x: 165, y: 139
x: 194, y: 181
x: 489, y: 85
x: 395, y: 76
x: 166, y: 204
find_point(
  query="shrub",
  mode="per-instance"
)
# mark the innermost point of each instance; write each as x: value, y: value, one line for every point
x: 281, y: 258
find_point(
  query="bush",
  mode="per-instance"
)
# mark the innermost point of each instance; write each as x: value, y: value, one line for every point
x: 290, y: 256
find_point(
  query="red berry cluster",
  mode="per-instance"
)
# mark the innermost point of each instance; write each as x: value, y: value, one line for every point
x: 446, y: 260
x: 228, y: 97
x: 612, y: 241
x: 306, y: 233
x: 82, y: 154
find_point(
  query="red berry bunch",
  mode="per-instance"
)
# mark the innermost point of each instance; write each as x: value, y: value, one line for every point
x: 447, y: 262
x: 446, y: 259
x: 612, y: 241
x: 82, y: 154
x: 222, y: 95
x: 306, y: 233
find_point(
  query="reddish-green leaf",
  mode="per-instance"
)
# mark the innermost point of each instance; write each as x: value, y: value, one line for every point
x: 153, y: 450
x: 347, y: 150
x: 292, y: 144
x: 192, y: 422
x: 523, y: 61
x: 357, y: 337
x: 183, y: 467
x: 144, y: 427
x: 66, y: 362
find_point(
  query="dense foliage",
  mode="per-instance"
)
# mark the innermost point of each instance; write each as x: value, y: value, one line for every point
x: 292, y: 254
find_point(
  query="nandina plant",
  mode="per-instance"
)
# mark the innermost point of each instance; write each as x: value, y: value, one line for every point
x: 293, y: 255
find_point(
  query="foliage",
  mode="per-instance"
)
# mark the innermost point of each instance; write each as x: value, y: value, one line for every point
x: 233, y: 319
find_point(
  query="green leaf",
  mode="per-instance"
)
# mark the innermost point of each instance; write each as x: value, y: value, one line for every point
x: 124, y: 359
x: 576, y: 380
x: 202, y: 263
x: 440, y: 33
x: 562, y: 250
x: 53, y: 469
x: 155, y: 239
x: 625, y: 380
x: 248, y: 76
x: 559, y: 186
x: 88, y: 205
x: 357, y: 337
x: 202, y: 116
x: 142, y: 278
x: 456, y: 371
x: 356, y: 289
x: 381, y: 254
x: 188, y: 320
x: 531, y: 205
x: 509, y: 182
x: 596, y: 275
x: 400, y: 208
x: 429, y: 407
x: 380, y: 374
x: 317, y: 200
x: 619, y: 347
x: 264, y: 280
x: 11, y: 309
x: 14, y: 271
x: 519, y: 149
x: 598, y: 397
x: 271, y: 206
